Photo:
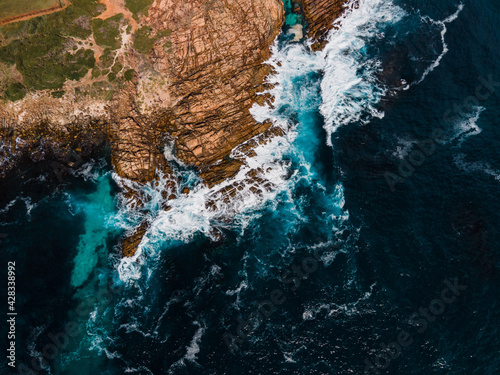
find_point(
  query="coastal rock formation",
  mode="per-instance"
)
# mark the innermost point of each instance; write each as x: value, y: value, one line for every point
x: 190, y: 72
x: 212, y: 66
x: 320, y: 15
x: 197, y: 70
x: 135, y: 140
x: 214, y: 71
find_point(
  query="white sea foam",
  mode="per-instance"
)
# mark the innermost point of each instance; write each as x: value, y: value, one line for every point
x: 349, y: 87
x: 138, y: 370
x: 442, y: 24
x: 404, y: 147
x: 475, y: 167
x: 191, y: 351
x: 344, y: 95
x: 334, y: 310
x: 194, y: 348
x: 204, y: 209
x: 8, y: 206
x: 467, y: 127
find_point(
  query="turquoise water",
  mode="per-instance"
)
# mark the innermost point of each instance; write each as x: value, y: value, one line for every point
x: 98, y: 208
x: 290, y: 17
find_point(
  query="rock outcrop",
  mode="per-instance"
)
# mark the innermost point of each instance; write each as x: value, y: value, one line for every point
x: 194, y: 88
x: 215, y: 71
x: 320, y: 15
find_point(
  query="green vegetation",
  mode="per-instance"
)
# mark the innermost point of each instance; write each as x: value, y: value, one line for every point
x: 138, y: 7
x: 167, y: 47
x: 144, y: 41
x: 102, y: 89
x: 96, y: 72
x: 107, y: 66
x: 58, y: 94
x: 106, y: 60
x: 129, y: 74
x: 107, y: 32
x: 43, y: 62
x: 12, y: 8
x: 40, y: 46
x: 117, y: 68
x: 15, y: 91
x: 50, y: 50
x: 72, y: 21
x: 99, y: 86
x: 109, y: 95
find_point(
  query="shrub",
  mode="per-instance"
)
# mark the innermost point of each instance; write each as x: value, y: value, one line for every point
x: 129, y: 74
x: 107, y: 32
x: 15, y: 91
x: 58, y: 94
x: 142, y: 42
x: 138, y: 7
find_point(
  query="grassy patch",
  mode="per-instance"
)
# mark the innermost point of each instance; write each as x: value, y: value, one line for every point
x: 39, y: 46
x: 74, y: 21
x: 107, y: 32
x: 44, y: 63
x: 96, y: 72
x: 101, y: 89
x: 129, y: 74
x: 107, y: 65
x: 106, y: 60
x: 15, y: 91
x: 144, y: 39
x: 138, y: 7
x: 142, y: 42
x: 117, y: 68
x: 58, y: 94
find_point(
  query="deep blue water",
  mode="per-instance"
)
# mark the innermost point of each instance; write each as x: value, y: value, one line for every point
x: 381, y: 227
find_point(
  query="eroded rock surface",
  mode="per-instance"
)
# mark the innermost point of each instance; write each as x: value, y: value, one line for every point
x: 320, y: 15
x: 195, y: 87
x: 215, y: 72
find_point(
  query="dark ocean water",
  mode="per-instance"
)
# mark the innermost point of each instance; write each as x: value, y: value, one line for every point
x: 376, y: 252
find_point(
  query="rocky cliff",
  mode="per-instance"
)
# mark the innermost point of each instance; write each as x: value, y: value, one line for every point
x: 213, y: 70
x: 182, y: 72
x: 320, y: 15
x: 214, y: 74
x: 197, y: 69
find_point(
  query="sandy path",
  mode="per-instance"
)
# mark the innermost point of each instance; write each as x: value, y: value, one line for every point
x: 38, y: 13
x: 115, y: 7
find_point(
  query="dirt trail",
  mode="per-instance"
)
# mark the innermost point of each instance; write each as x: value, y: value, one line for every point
x: 38, y: 13
x: 115, y: 7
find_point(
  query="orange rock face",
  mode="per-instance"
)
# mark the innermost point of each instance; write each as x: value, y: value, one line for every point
x: 320, y: 15
x: 196, y: 88
x: 214, y: 71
